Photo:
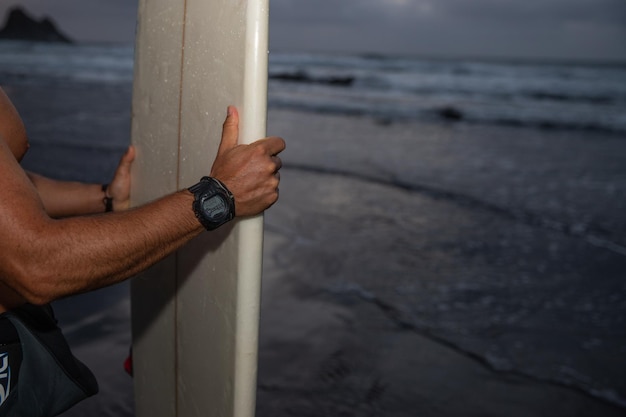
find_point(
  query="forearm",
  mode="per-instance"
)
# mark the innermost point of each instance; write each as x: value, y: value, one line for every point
x: 102, y: 250
x: 43, y: 258
x: 67, y: 198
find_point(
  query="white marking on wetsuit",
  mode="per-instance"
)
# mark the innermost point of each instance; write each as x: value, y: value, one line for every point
x: 5, y: 377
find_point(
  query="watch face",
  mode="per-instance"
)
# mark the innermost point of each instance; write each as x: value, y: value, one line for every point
x: 215, y: 208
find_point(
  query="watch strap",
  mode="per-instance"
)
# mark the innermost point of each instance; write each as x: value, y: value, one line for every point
x: 206, y: 188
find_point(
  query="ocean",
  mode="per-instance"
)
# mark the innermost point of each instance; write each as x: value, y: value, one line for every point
x: 550, y: 95
x: 508, y: 325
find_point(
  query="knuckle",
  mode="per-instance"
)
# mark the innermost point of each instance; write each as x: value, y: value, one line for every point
x: 272, y: 198
x: 273, y: 183
x: 258, y: 149
x: 229, y: 123
x: 271, y: 167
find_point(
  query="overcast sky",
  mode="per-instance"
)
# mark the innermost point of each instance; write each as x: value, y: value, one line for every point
x: 587, y: 29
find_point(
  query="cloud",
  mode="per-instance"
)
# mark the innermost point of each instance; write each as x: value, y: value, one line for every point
x: 366, y: 11
x: 537, y: 10
x: 547, y: 28
x: 346, y: 11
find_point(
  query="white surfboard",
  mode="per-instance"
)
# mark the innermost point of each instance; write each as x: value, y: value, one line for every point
x: 195, y: 315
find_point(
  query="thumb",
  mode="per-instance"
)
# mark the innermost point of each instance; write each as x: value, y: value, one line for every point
x: 129, y: 156
x: 126, y: 160
x: 230, y: 131
x: 120, y: 186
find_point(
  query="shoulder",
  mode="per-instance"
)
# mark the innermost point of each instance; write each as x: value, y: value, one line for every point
x: 12, y: 130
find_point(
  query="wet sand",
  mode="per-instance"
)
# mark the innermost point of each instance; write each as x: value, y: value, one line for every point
x: 443, y: 270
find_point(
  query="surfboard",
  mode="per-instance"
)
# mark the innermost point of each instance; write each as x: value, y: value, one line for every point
x: 195, y: 315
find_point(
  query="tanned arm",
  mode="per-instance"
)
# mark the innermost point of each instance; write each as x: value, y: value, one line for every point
x: 42, y: 259
x: 69, y: 198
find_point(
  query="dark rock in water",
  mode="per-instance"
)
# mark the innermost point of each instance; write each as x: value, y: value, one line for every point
x: 340, y: 81
x: 20, y: 26
x: 298, y: 76
x: 450, y: 113
x: 303, y: 77
x: 384, y: 121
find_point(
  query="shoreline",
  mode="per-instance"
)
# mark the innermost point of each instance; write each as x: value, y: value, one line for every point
x: 332, y: 309
x: 485, y: 234
x: 546, y: 177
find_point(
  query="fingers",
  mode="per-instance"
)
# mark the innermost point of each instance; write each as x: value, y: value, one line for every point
x: 128, y: 157
x: 273, y: 145
x: 249, y: 171
x: 119, y: 189
x: 277, y: 163
x: 123, y: 168
x: 230, y: 135
x: 230, y: 131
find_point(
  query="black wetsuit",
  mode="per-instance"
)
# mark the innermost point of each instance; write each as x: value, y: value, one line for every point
x: 10, y: 358
x: 39, y: 376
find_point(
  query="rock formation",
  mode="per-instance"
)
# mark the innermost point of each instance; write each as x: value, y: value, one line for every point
x: 20, y: 26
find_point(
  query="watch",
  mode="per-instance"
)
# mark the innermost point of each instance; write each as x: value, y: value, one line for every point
x: 213, y: 204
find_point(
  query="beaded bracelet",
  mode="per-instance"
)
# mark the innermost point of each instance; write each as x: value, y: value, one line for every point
x: 107, y: 201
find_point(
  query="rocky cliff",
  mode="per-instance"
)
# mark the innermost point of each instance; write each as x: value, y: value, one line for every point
x: 20, y: 26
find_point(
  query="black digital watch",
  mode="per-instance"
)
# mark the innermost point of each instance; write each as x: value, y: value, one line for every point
x: 213, y: 204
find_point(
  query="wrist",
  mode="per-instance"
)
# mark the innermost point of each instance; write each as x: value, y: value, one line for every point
x: 213, y: 203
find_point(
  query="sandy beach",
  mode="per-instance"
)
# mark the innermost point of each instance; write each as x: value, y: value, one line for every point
x: 423, y: 270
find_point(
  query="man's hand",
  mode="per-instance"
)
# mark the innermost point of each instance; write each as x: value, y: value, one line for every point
x: 70, y: 198
x: 250, y: 172
x: 119, y: 189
